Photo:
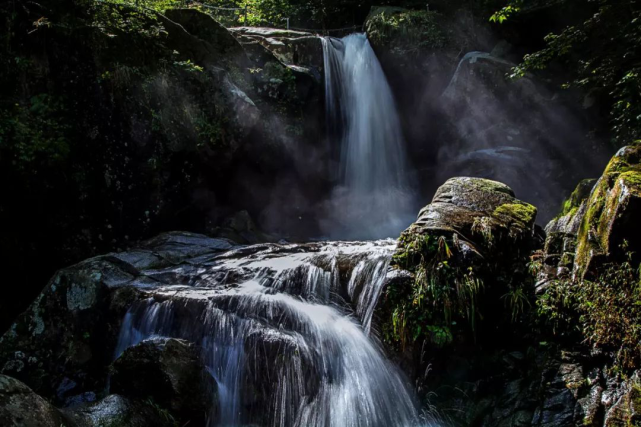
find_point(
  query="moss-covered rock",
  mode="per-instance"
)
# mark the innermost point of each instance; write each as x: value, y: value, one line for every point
x: 467, y: 255
x: 609, y: 227
x: 556, y: 261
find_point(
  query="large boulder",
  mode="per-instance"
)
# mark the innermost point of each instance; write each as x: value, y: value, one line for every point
x: 21, y: 407
x: 168, y: 371
x: 467, y: 250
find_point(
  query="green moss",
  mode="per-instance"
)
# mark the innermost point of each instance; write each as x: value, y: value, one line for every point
x: 521, y: 212
x: 581, y: 192
x: 633, y: 178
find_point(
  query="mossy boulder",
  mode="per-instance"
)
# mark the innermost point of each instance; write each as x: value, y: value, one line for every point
x: 467, y: 250
x: 170, y: 372
x: 609, y: 227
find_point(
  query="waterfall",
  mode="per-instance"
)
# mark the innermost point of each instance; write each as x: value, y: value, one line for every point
x: 287, y: 343
x: 373, y: 198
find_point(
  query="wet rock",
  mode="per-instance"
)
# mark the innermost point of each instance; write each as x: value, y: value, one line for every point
x: 169, y: 372
x: 58, y: 345
x: 115, y: 410
x: 21, y: 407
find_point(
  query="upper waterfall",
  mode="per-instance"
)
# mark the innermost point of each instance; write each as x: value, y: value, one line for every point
x: 373, y: 198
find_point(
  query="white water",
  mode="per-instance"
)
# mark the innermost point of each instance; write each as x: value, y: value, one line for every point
x: 373, y: 198
x: 289, y: 333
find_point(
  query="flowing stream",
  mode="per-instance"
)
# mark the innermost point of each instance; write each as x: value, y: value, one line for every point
x: 373, y: 198
x: 285, y: 332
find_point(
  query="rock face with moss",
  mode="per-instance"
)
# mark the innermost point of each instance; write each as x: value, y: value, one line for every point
x: 466, y: 255
x: 610, y: 227
x: 557, y: 259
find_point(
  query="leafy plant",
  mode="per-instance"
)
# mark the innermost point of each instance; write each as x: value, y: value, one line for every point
x: 606, y: 310
x: 439, y: 294
x: 603, y: 53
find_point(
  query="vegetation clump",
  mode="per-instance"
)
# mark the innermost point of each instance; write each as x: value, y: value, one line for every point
x: 605, y: 311
x: 441, y: 292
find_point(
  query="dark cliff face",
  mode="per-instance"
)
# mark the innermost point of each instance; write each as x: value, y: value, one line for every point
x: 118, y: 123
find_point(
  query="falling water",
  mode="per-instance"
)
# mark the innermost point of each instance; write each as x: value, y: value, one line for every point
x: 373, y: 198
x: 287, y: 343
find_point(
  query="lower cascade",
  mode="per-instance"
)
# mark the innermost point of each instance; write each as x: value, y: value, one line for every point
x: 286, y: 332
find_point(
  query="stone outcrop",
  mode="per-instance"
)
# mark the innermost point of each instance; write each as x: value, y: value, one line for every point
x: 469, y: 246
x: 609, y: 227
x: 171, y: 373
x: 21, y: 407
x: 290, y: 47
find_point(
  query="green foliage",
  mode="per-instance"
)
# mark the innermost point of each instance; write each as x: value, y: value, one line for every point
x: 440, y: 294
x: 408, y: 31
x: 274, y: 13
x: 504, y: 13
x: 606, y: 310
x: 189, y: 66
x: 120, y: 17
x: 517, y: 301
x: 603, y: 53
x: 35, y: 134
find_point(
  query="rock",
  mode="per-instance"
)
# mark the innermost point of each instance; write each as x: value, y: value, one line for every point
x: 169, y: 372
x: 557, y: 259
x: 115, y: 410
x: 21, y: 407
x: 626, y: 410
x: 290, y: 47
x: 240, y: 228
x: 611, y: 214
x: 481, y: 217
x: 465, y: 252
x: 206, y: 28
